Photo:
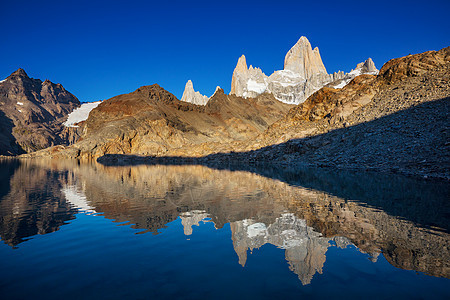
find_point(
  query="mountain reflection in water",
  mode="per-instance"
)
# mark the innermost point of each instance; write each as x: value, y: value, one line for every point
x: 302, y: 212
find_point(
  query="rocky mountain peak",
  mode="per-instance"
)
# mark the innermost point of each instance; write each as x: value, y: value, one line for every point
x: 241, y: 66
x: 240, y: 75
x: 302, y: 59
x: 189, y: 85
x: 218, y: 90
x: 366, y: 67
x: 303, y: 74
x: 191, y: 96
x: 32, y: 114
x: 369, y: 66
x: 20, y: 73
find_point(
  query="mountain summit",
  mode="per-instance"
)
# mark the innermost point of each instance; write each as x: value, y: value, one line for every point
x: 191, y: 96
x: 19, y: 72
x: 31, y: 113
x: 303, y: 60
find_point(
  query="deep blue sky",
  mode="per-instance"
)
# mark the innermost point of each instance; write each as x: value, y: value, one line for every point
x: 99, y: 49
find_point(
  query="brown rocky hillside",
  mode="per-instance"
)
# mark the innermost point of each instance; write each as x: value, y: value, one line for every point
x: 152, y: 121
x: 32, y: 113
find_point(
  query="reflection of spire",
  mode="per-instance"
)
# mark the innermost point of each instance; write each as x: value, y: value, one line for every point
x: 305, y: 248
x: 305, y: 260
x: 191, y: 218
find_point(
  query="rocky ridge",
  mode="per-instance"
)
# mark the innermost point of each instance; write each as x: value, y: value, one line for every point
x: 152, y: 121
x: 303, y: 74
x: 367, y: 67
x: 32, y: 113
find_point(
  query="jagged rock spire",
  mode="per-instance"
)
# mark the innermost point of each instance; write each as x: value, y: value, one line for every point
x: 241, y: 71
x: 369, y: 66
x: 303, y: 60
x: 190, y: 95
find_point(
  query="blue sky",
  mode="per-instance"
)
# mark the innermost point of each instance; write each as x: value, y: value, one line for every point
x: 100, y: 49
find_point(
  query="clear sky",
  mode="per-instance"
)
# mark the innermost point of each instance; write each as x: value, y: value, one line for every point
x: 99, y: 49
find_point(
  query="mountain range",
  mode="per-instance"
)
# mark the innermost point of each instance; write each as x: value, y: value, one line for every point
x: 362, y: 119
x: 303, y: 74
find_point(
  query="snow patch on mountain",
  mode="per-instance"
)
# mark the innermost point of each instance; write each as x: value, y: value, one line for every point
x: 80, y: 114
x: 258, y: 87
x: 341, y: 84
x: 367, y: 67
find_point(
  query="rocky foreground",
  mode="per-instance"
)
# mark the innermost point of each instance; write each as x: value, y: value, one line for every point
x: 395, y: 122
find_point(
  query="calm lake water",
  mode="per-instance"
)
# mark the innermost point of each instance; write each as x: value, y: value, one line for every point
x: 87, y: 231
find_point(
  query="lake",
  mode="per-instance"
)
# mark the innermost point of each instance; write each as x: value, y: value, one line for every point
x: 73, y: 230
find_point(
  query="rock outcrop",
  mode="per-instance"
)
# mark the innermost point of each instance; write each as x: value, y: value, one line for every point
x: 32, y: 113
x: 191, y: 96
x: 303, y: 74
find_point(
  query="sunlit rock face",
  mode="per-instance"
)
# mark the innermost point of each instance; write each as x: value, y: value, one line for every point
x: 303, y: 60
x: 303, y: 74
x: 191, y: 96
x: 247, y: 82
